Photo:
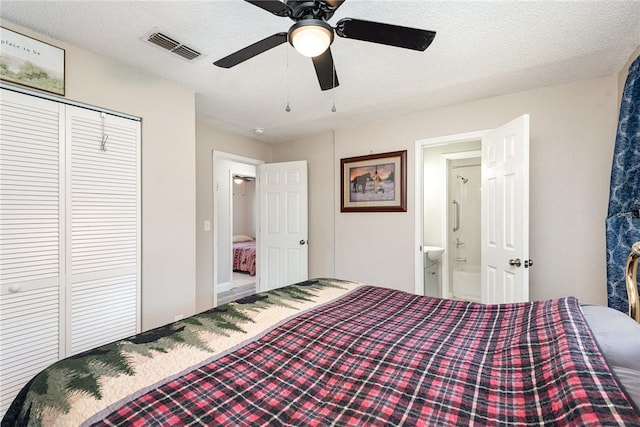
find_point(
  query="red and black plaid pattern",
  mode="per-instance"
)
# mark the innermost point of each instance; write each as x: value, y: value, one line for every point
x: 384, y: 357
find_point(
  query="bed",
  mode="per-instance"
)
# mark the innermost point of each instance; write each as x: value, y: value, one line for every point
x: 244, y: 254
x: 333, y: 352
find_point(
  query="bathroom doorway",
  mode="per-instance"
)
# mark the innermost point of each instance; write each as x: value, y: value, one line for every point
x: 504, y: 214
x: 451, y: 217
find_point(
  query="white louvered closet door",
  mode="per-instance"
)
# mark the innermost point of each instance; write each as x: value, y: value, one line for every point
x: 103, y: 223
x: 31, y: 247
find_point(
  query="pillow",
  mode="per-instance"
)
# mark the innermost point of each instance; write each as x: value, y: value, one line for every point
x: 617, y: 335
x: 615, y: 332
x: 241, y: 238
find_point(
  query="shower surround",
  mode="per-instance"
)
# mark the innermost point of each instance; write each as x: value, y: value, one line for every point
x: 464, y: 234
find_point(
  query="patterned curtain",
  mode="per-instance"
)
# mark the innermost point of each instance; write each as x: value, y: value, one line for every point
x: 623, y: 221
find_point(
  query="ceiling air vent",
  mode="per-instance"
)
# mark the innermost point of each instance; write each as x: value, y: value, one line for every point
x: 186, y: 52
x: 173, y: 46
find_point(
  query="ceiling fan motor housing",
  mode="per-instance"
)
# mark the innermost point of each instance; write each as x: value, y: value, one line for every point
x: 305, y: 9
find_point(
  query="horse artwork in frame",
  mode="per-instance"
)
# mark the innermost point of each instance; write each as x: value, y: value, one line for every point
x: 374, y: 183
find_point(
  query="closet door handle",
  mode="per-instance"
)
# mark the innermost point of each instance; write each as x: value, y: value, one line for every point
x: 103, y: 144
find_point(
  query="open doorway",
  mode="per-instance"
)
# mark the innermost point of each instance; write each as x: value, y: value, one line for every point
x: 450, y: 218
x: 440, y: 188
x: 235, y: 224
x: 244, y: 252
x: 279, y: 226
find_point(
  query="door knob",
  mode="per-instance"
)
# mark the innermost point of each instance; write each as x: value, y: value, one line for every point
x: 302, y: 242
x: 528, y: 263
x: 515, y: 262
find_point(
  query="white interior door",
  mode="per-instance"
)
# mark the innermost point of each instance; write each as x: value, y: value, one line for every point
x: 283, y: 245
x: 505, y: 213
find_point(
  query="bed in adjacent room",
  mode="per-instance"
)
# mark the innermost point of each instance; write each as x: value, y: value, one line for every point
x: 244, y: 254
x: 328, y: 351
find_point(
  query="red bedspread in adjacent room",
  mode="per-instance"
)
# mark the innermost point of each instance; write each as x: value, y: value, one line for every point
x: 244, y: 257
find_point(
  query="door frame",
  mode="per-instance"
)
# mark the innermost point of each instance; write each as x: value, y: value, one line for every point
x: 419, y: 198
x: 217, y: 157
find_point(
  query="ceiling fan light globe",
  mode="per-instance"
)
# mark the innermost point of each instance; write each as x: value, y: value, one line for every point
x: 311, y: 38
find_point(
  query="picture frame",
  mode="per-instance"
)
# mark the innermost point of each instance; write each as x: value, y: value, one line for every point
x: 29, y: 62
x: 374, y: 183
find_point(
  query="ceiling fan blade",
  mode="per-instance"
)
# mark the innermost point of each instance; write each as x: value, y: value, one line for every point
x: 325, y: 70
x: 392, y: 35
x: 276, y: 7
x: 252, y: 50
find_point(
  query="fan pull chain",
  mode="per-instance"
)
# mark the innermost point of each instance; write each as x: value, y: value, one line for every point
x: 288, y: 107
x: 333, y: 107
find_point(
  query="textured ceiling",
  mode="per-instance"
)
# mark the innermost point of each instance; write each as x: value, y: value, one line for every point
x: 481, y: 49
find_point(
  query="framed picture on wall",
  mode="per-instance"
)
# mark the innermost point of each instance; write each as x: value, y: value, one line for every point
x: 374, y: 183
x: 32, y: 63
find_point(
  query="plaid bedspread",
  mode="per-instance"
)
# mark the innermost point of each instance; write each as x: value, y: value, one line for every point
x: 382, y: 357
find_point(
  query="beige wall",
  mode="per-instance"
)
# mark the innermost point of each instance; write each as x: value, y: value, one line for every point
x: 245, y: 208
x: 209, y: 139
x: 168, y: 172
x: 572, y: 133
x: 318, y: 151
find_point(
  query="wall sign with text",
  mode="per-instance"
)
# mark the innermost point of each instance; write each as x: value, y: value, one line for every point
x: 32, y: 63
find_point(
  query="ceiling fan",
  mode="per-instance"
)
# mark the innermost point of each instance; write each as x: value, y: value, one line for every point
x: 311, y: 35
